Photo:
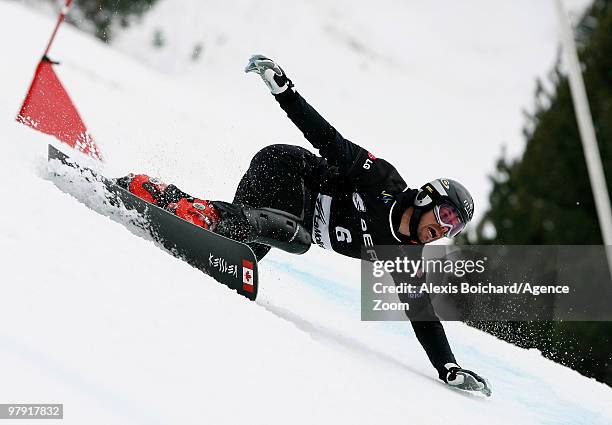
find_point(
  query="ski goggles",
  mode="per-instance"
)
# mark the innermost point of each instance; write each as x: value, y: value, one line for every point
x: 449, y: 218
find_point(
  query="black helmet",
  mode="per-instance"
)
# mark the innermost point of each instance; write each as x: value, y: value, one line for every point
x: 438, y: 195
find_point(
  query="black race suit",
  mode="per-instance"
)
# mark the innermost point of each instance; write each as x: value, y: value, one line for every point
x: 347, y: 198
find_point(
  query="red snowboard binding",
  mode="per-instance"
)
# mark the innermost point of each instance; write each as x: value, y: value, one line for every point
x: 197, y: 211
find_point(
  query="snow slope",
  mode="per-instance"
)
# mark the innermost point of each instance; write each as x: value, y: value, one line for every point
x: 119, y: 331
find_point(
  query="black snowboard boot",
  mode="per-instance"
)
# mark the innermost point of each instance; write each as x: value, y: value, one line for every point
x: 267, y: 226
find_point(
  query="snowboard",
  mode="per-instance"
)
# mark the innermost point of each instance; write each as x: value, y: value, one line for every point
x: 227, y: 261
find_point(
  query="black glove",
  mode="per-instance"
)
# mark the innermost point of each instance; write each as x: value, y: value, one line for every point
x: 464, y: 379
x: 270, y: 73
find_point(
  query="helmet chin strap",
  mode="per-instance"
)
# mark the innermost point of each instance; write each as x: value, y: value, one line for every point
x: 419, y: 210
x: 415, y: 219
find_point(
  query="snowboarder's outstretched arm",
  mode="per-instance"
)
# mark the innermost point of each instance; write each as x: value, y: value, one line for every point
x: 430, y: 333
x: 321, y: 134
x: 427, y: 326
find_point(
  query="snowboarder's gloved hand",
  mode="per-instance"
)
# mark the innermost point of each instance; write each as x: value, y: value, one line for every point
x: 464, y: 379
x: 196, y: 211
x: 270, y: 72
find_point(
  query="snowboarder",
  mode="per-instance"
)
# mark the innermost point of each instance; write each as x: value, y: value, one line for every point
x: 290, y: 198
